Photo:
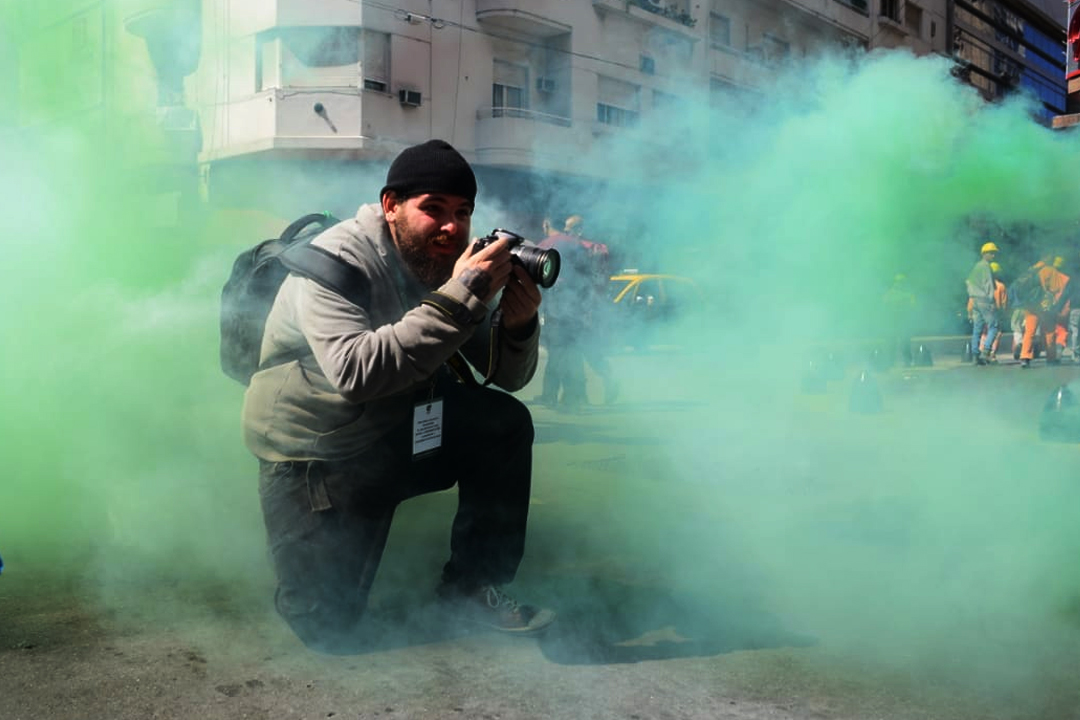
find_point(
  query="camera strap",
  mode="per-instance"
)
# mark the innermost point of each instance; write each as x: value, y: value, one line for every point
x: 460, y: 366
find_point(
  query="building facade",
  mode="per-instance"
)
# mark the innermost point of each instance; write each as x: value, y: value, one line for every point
x: 221, y: 89
x: 1005, y: 46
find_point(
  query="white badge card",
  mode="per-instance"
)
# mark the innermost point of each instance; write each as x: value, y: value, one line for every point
x: 427, y: 427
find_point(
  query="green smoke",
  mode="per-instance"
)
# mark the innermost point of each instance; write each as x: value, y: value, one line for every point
x: 938, y: 532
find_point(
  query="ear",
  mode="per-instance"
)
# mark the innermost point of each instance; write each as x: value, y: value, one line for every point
x: 390, y: 205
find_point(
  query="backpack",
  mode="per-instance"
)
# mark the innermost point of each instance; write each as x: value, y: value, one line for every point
x: 257, y: 275
x: 1027, y: 290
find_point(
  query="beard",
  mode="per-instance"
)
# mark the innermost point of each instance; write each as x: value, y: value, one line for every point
x: 432, y: 270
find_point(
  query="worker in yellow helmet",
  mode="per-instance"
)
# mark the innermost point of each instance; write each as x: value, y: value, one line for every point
x: 984, y: 315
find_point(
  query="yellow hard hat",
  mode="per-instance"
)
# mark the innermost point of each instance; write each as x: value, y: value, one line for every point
x: 995, y: 267
x: 988, y: 247
x: 1059, y: 261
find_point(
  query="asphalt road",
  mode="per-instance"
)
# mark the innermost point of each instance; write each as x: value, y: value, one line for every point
x: 718, y: 544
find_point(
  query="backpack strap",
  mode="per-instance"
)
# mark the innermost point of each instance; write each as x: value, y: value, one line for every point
x: 297, y: 226
x: 328, y: 270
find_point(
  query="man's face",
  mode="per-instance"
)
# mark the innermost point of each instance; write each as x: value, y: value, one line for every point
x: 430, y: 231
x: 989, y: 256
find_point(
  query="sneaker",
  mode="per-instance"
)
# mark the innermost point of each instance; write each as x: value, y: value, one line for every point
x: 1016, y: 353
x: 980, y: 359
x: 1025, y: 364
x: 492, y: 607
x: 992, y: 359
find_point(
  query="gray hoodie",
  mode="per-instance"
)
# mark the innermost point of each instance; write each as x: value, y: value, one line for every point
x: 365, y: 365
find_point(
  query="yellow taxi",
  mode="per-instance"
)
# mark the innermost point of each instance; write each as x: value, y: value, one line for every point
x: 646, y: 306
x: 650, y: 290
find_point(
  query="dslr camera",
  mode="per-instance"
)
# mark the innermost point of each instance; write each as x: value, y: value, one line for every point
x: 541, y: 265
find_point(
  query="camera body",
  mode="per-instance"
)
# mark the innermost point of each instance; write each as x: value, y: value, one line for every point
x: 541, y: 264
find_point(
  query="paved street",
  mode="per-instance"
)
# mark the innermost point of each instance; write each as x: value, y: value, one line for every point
x: 718, y: 543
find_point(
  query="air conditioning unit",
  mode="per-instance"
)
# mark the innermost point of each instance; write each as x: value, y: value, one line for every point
x: 409, y: 98
x: 545, y: 85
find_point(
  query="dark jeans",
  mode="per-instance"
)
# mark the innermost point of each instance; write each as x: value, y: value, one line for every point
x: 327, y: 522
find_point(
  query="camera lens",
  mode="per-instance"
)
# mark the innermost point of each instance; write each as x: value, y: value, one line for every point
x: 548, y: 269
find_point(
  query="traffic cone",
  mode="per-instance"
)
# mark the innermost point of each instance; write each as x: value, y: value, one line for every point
x: 965, y: 354
x: 1060, y: 420
x: 813, y: 381
x: 923, y: 357
x: 865, y: 396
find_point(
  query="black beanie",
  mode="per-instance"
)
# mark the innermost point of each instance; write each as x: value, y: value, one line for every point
x: 431, y: 167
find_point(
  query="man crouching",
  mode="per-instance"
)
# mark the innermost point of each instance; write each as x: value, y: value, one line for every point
x: 356, y: 408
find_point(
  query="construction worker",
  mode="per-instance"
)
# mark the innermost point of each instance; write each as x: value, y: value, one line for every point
x: 1070, y: 302
x: 1040, y: 309
x: 981, y: 289
x: 1001, y: 302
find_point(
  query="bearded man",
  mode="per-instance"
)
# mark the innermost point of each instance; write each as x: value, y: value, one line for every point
x: 358, y: 408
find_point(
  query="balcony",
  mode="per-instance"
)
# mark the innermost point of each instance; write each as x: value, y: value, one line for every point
x: 653, y: 13
x: 521, y: 16
x: 519, y: 138
x: 849, y: 16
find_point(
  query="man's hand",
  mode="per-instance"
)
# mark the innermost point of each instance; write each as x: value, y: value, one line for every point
x: 520, y: 300
x: 484, y: 272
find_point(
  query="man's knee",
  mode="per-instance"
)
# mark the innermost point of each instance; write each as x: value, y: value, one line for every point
x: 499, y: 414
x: 322, y: 625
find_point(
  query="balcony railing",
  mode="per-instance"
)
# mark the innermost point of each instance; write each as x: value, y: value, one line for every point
x: 671, y: 12
x: 514, y: 112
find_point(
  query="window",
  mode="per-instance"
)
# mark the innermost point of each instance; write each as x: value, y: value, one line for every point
x: 890, y: 9
x: 664, y: 101
x: 376, y: 67
x: 509, y: 91
x: 327, y: 57
x: 318, y: 56
x: 618, y: 103
x: 913, y: 19
x: 719, y: 30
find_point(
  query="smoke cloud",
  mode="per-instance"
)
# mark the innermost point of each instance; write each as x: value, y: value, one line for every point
x: 934, y: 535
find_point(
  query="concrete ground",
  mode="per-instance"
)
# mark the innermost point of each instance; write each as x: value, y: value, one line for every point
x: 719, y: 543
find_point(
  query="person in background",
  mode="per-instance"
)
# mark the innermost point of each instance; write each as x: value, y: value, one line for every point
x: 576, y: 320
x: 356, y: 409
x: 563, y: 386
x: 1060, y: 310
x: 981, y: 288
x: 1039, y: 310
x: 1068, y: 305
x: 574, y: 226
x: 1072, y: 292
x: 595, y: 273
x: 1001, y: 302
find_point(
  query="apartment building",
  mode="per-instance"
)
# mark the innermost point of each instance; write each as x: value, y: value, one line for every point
x: 523, y: 87
x: 520, y: 86
x: 1006, y: 46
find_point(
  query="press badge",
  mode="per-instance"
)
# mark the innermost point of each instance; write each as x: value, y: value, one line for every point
x: 427, y: 428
